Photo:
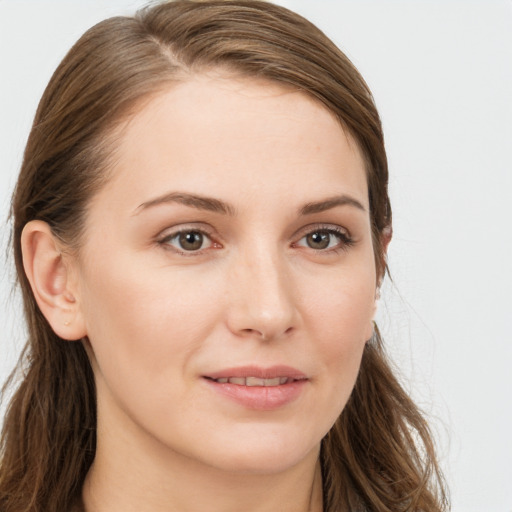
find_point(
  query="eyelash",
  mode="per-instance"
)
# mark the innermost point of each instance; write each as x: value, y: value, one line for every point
x: 166, y: 239
x: 345, y: 241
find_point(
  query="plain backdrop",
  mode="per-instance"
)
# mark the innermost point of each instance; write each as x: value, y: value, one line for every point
x: 441, y: 74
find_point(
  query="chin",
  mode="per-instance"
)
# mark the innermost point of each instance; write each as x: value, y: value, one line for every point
x: 270, y: 455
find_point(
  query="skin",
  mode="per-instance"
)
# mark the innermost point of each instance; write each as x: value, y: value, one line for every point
x: 159, y: 318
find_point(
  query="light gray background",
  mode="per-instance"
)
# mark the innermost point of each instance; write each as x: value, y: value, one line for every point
x: 441, y: 73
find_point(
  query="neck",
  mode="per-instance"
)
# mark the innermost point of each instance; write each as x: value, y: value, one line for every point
x: 131, y: 474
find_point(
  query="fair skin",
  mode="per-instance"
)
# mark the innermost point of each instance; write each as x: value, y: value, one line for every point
x: 231, y: 243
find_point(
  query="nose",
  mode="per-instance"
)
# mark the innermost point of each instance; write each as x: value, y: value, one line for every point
x: 262, y: 299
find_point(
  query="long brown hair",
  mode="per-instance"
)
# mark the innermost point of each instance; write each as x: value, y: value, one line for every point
x: 379, y: 456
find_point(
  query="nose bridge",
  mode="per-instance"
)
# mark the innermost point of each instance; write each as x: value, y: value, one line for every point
x: 262, y: 301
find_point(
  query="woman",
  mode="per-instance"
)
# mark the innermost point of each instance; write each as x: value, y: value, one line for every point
x: 200, y: 229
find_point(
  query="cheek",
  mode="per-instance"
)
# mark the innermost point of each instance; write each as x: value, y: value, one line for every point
x: 344, y: 307
x: 144, y: 324
x: 341, y: 322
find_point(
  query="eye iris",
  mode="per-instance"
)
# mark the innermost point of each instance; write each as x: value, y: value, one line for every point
x: 318, y: 240
x: 191, y: 240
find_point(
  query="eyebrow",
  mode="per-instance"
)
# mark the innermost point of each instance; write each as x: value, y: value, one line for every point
x: 200, y: 202
x: 217, y: 206
x: 331, y: 202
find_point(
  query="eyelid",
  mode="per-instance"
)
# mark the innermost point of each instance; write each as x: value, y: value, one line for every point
x: 321, y: 226
x: 169, y: 233
x: 346, y: 239
x: 162, y: 238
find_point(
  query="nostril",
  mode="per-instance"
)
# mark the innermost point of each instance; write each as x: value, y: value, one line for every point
x: 255, y: 332
x: 267, y: 335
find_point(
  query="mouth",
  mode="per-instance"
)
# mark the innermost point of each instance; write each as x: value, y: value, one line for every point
x: 257, y: 388
x: 254, y: 381
x: 252, y: 375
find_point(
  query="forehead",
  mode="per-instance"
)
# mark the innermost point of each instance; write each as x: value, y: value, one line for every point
x: 213, y: 131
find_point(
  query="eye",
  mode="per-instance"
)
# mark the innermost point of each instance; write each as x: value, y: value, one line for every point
x: 189, y: 240
x: 325, y: 239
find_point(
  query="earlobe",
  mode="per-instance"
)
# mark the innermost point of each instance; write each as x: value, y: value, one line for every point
x: 50, y: 277
x: 371, y: 324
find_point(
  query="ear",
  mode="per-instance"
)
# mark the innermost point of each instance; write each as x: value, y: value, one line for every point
x: 52, y: 280
x: 385, y: 237
x: 387, y: 234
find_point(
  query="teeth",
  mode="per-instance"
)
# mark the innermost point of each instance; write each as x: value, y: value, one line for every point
x: 254, y: 381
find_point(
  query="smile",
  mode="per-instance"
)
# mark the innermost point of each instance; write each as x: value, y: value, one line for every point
x: 255, y: 381
x: 257, y: 388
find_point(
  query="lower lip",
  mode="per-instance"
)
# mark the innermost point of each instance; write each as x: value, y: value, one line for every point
x: 262, y: 398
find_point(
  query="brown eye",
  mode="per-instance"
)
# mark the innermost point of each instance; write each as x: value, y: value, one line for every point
x: 188, y: 241
x: 191, y: 240
x: 319, y: 239
x: 325, y: 239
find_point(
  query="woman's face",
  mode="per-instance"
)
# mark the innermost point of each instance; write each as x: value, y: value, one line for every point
x: 227, y: 277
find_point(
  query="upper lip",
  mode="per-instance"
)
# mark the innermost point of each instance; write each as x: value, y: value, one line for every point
x: 270, y: 372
